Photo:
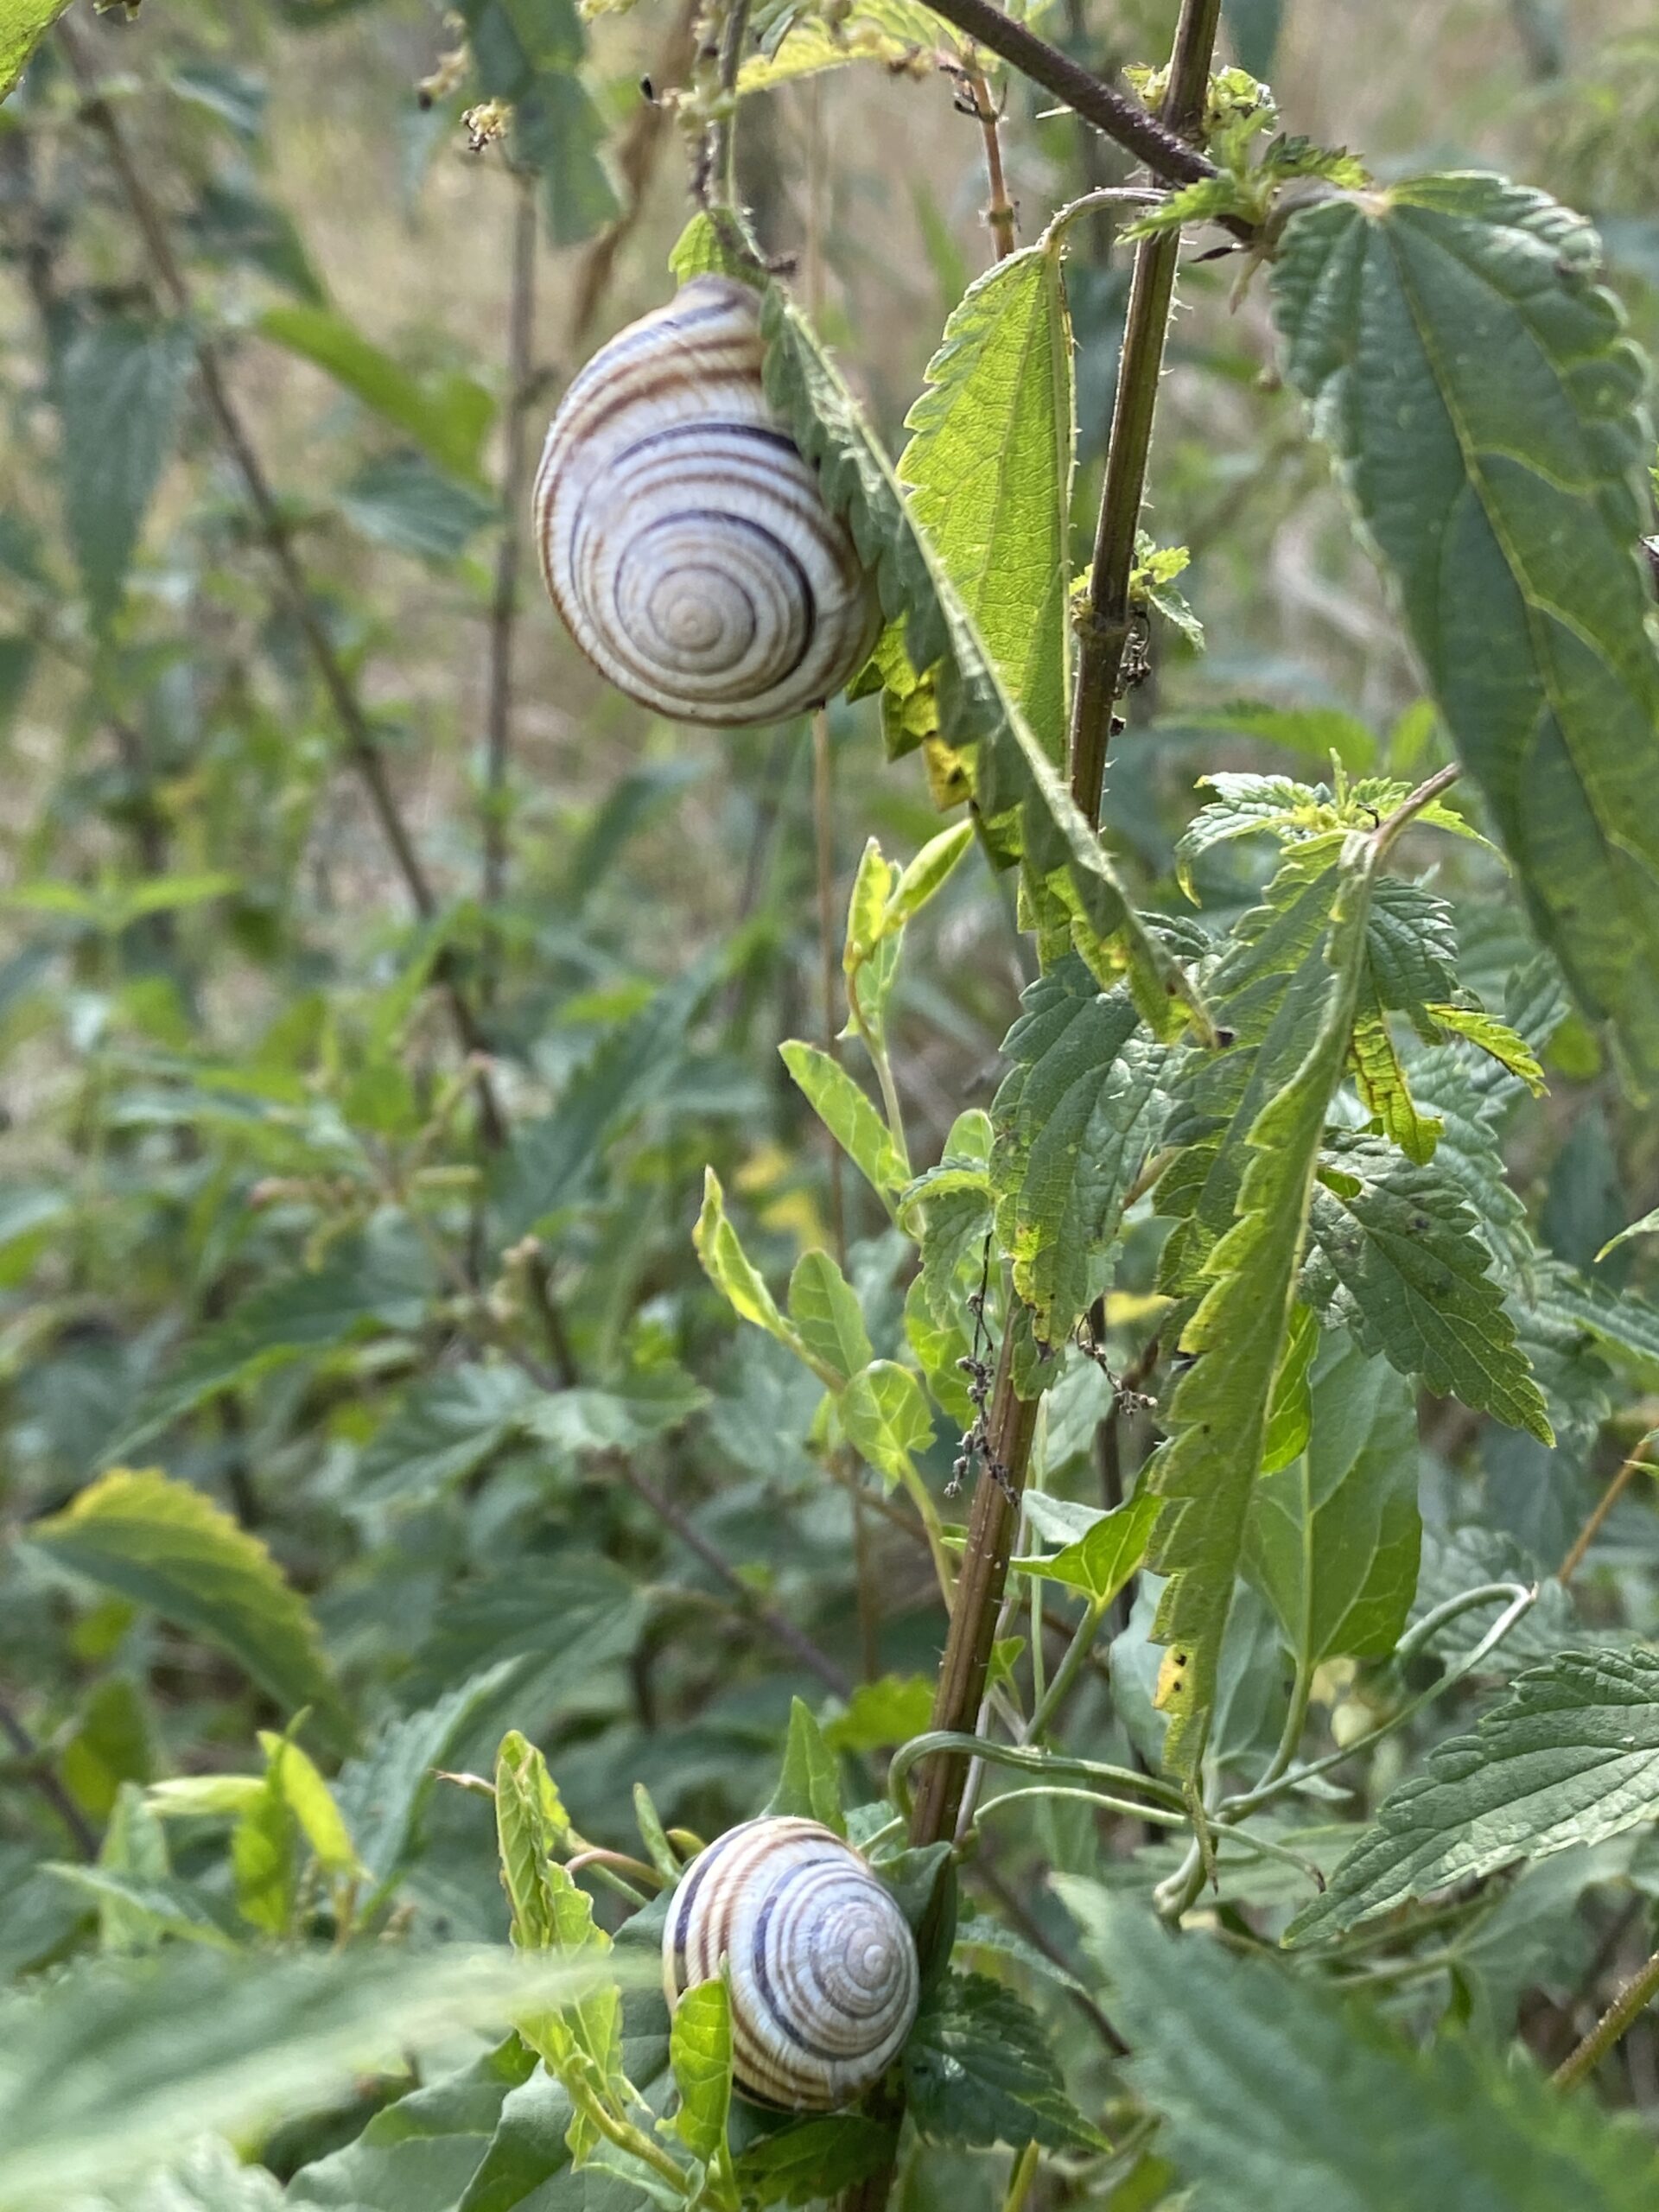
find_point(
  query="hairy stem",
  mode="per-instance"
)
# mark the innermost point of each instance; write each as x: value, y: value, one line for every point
x: 999, y: 211
x: 1109, y: 614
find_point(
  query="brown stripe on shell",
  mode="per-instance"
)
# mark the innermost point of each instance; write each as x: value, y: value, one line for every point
x: 753, y: 546
x: 822, y: 1967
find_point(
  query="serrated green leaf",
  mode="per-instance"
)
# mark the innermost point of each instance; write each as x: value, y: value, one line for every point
x: 989, y: 466
x: 703, y: 248
x: 120, y: 386
x: 112, y: 2065
x: 814, y: 2159
x: 810, y: 1784
x: 1075, y: 1119
x: 1274, y: 2091
x: 1218, y: 1418
x: 1510, y: 1049
x: 940, y: 1348
x: 418, y: 2153
x: 530, y: 1826
x: 1648, y: 1225
x: 1486, y: 410
x: 1395, y: 1253
x: 979, y: 2071
x: 1570, y: 1756
x: 849, y: 1116
x: 164, y: 1544
x: 1063, y: 856
x: 1333, y: 1539
x: 885, y: 1418
x: 1290, y: 1410
x: 1385, y: 1091
x: 444, y: 1429
x: 700, y: 2048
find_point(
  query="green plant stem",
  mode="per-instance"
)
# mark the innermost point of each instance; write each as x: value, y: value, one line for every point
x: 1119, y: 117
x: 1631, y: 2001
x: 1049, y: 1700
x: 1023, y: 1758
x: 1020, y: 2181
x: 1109, y: 614
x: 503, y: 598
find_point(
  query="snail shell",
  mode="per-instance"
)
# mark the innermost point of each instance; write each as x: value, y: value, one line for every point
x: 822, y: 1963
x: 683, y: 536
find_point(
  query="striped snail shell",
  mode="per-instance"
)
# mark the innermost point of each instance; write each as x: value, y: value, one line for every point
x: 822, y: 1963
x: 683, y: 536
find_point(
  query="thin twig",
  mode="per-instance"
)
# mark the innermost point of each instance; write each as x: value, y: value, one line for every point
x: 45, y: 1780
x: 999, y: 212
x: 1605, y: 1504
x: 1115, y: 113
x: 504, y: 599
x: 1626, y: 2008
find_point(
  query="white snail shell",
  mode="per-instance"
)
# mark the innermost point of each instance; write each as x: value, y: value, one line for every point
x: 683, y: 536
x: 821, y: 1962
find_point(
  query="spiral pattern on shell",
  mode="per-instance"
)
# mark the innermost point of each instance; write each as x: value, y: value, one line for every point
x: 683, y: 536
x: 822, y: 1963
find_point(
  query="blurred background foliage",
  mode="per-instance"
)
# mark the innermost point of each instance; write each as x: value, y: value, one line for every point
x: 259, y: 1225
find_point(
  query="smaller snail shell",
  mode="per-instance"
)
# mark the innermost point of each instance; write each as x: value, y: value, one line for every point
x: 683, y: 536
x: 822, y: 1963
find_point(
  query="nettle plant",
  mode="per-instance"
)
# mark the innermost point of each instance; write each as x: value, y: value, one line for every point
x: 1237, y: 1208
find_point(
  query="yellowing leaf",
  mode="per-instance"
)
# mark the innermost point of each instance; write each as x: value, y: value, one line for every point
x: 167, y: 1545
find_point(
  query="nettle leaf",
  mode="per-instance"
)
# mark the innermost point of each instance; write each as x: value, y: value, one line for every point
x: 528, y: 56
x: 1570, y: 1756
x: 1065, y: 859
x: 165, y: 1544
x: 979, y: 2070
x: 383, y: 1793
x: 1396, y: 1255
x: 444, y: 1430
x: 402, y: 501
x: 1075, y: 1118
x: 1217, y: 1417
x: 814, y: 2160
x: 112, y: 2065
x: 1333, y: 1539
x: 1274, y: 2091
x: 120, y: 384
x: 988, y: 467
x: 419, y: 2153
x: 1486, y: 411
